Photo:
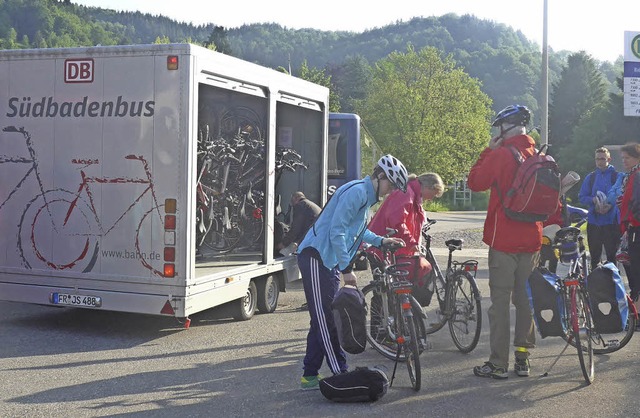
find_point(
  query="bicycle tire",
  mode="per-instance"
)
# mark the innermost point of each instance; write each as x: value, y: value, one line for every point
x: 435, y: 312
x: 410, y: 348
x: 464, y: 310
x: 377, y: 326
x: 581, y: 327
x: 609, y: 343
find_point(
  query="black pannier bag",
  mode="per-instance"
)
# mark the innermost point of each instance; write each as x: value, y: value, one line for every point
x: 608, y: 299
x: 350, y: 316
x: 547, y: 304
x: 364, y: 384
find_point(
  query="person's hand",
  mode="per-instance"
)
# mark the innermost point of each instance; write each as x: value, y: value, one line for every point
x: 393, y: 242
x: 279, y: 246
x: 350, y: 279
x: 495, y: 142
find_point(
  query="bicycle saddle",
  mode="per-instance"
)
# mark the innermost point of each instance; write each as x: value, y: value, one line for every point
x: 454, y: 244
x: 568, y: 233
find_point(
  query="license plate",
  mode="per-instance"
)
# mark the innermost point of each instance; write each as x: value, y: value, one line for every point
x: 76, y: 300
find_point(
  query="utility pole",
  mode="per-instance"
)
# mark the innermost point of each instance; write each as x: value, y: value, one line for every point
x: 544, y: 131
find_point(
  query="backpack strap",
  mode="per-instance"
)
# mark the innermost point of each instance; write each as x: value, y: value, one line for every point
x: 519, y: 160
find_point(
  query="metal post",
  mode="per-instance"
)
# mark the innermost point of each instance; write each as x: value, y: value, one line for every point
x: 544, y: 131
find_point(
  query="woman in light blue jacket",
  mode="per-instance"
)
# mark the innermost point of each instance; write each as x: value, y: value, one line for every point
x: 327, y: 251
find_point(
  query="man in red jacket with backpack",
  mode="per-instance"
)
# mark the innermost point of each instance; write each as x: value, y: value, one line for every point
x: 514, y: 245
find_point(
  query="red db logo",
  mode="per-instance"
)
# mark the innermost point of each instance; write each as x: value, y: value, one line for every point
x: 78, y: 70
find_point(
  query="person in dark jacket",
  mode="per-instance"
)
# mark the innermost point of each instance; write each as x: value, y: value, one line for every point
x: 304, y: 214
x: 603, y: 226
x: 514, y: 245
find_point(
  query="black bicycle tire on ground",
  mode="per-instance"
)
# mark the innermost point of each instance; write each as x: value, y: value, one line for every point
x: 411, y: 349
x: 472, y: 308
x: 583, y: 345
x: 376, y: 333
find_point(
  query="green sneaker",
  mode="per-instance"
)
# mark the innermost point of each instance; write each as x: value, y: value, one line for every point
x: 310, y: 382
x: 490, y: 370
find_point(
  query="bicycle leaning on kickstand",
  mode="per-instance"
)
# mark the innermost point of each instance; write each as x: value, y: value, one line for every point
x: 395, y: 326
x: 457, y: 297
x: 577, y: 322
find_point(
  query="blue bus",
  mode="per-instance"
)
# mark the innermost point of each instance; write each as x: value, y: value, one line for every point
x: 353, y: 153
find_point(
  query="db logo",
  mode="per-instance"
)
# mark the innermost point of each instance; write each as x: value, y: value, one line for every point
x: 78, y: 70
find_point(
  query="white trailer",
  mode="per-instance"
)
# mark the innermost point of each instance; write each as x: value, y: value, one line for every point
x: 106, y: 200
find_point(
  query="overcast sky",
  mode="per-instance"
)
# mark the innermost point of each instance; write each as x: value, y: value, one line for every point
x: 595, y: 27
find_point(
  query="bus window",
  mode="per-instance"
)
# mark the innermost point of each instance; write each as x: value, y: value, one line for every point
x: 352, y: 152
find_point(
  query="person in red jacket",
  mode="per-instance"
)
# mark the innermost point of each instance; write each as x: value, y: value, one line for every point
x: 629, y: 204
x: 404, y: 213
x: 514, y: 245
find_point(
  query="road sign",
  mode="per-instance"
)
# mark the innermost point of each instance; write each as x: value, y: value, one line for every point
x: 631, y: 73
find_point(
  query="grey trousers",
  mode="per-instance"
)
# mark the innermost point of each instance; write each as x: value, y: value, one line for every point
x: 508, y: 275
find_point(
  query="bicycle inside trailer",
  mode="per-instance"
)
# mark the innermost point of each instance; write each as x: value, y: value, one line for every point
x: 249, y: 162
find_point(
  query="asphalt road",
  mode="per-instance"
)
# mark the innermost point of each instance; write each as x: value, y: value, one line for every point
x: 83, y: 363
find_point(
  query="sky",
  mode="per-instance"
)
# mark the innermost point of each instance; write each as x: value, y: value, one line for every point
x: 575, y: 25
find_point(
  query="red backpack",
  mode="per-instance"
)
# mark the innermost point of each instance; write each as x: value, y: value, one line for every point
x: 535, y: 191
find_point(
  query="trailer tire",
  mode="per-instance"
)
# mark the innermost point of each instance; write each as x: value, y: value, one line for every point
x: 268, y: 294
x: 245, y: 307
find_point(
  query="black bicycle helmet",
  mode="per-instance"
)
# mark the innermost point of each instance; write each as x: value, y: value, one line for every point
x: 514, y: 115
x: 395, y: 171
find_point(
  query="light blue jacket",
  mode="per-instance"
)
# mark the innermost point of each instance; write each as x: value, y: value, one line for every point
x: 602, y: 183
x: 341, y: 227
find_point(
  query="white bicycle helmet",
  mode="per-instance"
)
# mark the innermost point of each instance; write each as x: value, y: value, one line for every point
x: 395, y: 171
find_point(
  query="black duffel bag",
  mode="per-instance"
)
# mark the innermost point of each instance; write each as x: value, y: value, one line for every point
x: 364, y: 384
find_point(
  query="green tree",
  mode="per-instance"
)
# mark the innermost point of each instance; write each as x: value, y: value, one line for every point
x: 319, y: 77
x: 351, y: 80
x: 218, y: 39
x: 427, y: 112
x: 580, y: 90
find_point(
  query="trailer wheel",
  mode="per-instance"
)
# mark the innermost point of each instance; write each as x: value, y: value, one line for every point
x: 245, y: 307
x: 268, y: 294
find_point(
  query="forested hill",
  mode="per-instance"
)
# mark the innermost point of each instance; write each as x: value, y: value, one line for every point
x: 506, y: 62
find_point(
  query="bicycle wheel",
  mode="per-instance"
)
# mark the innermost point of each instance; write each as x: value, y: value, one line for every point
x: 380, y: 327
x: 464, y: 310
x: 581, y: 326
x: 410, y: 347
x: 226, y: 230
x: 604, y: 344
x: 435, y: 312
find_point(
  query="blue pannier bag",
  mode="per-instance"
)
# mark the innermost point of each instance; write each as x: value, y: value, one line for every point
x: 608, y: 299
x: 547, y: 304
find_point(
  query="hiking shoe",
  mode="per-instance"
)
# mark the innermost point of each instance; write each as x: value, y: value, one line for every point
x: 310, y: 382
x: 490, y: 370
x: 522, y: 367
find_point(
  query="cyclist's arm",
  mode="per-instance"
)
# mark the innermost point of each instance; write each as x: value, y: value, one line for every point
x: 483, y: 173
x: 585, y: 196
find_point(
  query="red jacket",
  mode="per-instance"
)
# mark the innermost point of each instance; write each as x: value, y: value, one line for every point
x: 401, y: 211
x: 630, y: 204
x: 495, y: 170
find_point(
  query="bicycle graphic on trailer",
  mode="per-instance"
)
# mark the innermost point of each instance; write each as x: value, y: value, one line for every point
x: 60, y: 229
